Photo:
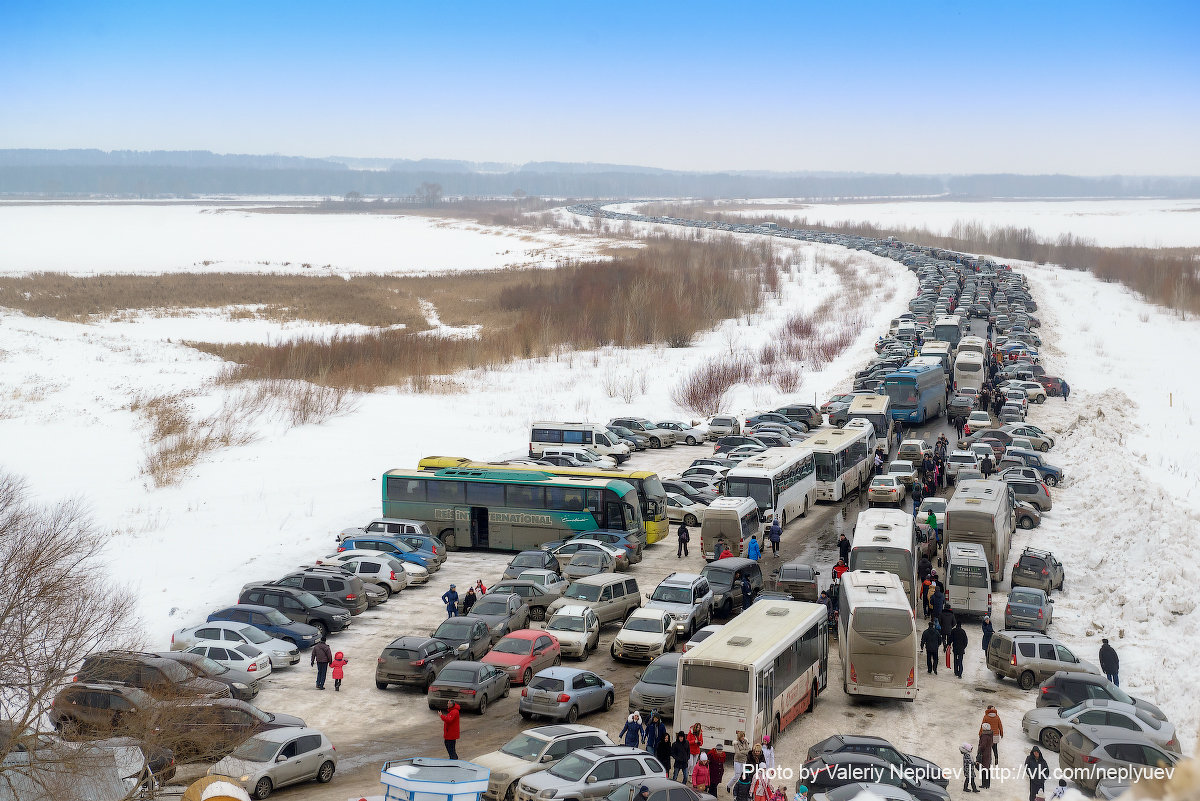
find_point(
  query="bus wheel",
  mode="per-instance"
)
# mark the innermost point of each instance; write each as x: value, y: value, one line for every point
x: 783, y: 519
x: 447, y: 537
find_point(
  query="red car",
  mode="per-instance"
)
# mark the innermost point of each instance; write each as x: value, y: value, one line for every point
x: 523, y: 653
x: 1052, y: 384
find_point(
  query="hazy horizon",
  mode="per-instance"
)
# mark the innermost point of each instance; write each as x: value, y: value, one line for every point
x: 927, y: 88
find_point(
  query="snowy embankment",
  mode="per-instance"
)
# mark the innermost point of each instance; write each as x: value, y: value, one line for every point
x: 262, y: 508
x: 1126, y: 524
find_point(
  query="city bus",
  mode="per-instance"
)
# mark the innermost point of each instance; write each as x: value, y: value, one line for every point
x: 782, y: 481
x: 652, y: 496
x: 877, y: 636
x: 918, y: 393
x: 886, y: 539
x: 843, y: 459
x: 968, y: 370
x: 942, y: 351
x: 508, y: 510
x: 948, y: 328
x: 757, y: 674
x: 876, y: 409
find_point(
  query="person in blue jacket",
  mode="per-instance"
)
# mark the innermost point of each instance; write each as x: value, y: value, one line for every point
x: 633, y: 732
x: 450, y: 599
x: 752, y: 550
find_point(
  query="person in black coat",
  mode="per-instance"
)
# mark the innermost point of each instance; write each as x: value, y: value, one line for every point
x: 844, y: 548
x: 930, y: 640
x: 1109, y: 662
x: 684, y: 537
x: 958, y: 644
x: 1037, y: 770
x: 947, y: 621
x: 680, y: 753
x: 986, y: 466
x: 923, y: 568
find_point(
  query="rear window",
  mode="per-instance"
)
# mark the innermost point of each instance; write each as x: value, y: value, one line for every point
x: 548, y: 684
x: 401, y: 653
x: 457, y: 674
x: 973, y: 576
x: 1032, y: 562
x: 883, y: 626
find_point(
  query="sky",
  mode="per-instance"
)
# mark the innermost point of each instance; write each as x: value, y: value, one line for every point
x: 1094, y: 88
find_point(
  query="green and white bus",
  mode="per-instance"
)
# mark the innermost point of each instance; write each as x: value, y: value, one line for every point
x: 509, y: 510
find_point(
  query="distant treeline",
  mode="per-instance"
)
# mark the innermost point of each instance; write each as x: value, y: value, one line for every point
x: 183, y: 173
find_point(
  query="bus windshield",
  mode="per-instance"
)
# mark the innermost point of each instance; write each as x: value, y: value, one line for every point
x: 826, y: 469
x: 759, y: 489
x: 903, y: 394
x: 893, y: 561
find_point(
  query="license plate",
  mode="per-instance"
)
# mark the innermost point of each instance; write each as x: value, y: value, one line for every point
x: 881, y: 677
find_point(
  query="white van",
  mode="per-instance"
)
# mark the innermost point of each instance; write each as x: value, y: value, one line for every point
x: 733, y: 520
x: 579, y: 435
x: 585, y: 456
x: 968, y: 583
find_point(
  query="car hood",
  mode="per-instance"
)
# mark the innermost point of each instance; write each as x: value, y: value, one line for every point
x: 282, y: 721
x: 927, y: 769
x: 683, y: 610
x: 570, y: 636
x: 639, y: 637
x: 231, y: 766
x: 504, y: 766
x: 202, y: 686
x: 501, y: 659
x: 491, y: 620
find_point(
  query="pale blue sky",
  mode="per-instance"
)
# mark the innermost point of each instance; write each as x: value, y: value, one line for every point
x: 1085, y: 88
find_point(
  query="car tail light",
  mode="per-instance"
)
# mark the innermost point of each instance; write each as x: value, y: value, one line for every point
x: 912, y: 676
x: 253, y: 668
x: 435, y: 550
x: 418, y: 663
x: 351, y: 597
x: 1017, y: 566
x: 563, y: 698
x: 1045, y: 572
x: 524, y: 692
x: 1008, y: 609
x: 379, y: 660
x: 434, y: 689
x: 1039, y: 614
x: 853, y: 674
x: 467, y: 692
x: 1044, y: 487
x: 1089, y: 760
x: 1172, y: 742
x: 1045, y: 691
x: 393, y: 575
x: 1013, y: 661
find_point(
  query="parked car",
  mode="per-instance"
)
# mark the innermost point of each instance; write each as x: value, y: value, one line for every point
x: 728, y: 443
x: 960, y: 405
x: 1032, y: 492
x: 388, y: 526
x: 723, y: 425
x: 589, y: 563
x: 1028, y: 516
x: 659, y: 437
x: 399, y: 549
x: 278, y: 758
x: 685, y: 432
x: 381, y: 571
x: 413, y: 572
x: 282, y: 653
x: 681, y: 509
x: 300, y: 606
x: 913, y: 767
x: 472, y: 685
x: 502, y: 613
x: 654, y: 691
x: 532, y: 560
x: 658, y: 788
x: 466, y: 637
x: 271, y: 622
x: 412, y: 661
x: 589, y: 774
x: 243, y: 657
x: 85, y: 708
x: 914, y: 450
x: 211, y: 729
x: 568, y: 550
x: 977, y: 421
x: 562, y: 693
x: 1071, y: 688
x: 1091, y: 753
x: 577, y: 630
x: 532, y: 593
x: 700, y: 636
x: 1040, y: 439
x: 830, y: 771
x: 937, y: 506
x: 1048, y: 473
x: 1034, y: 392
x: 804, y: 413
x: 1038, y: 569
x: 634, y: 440
x: 611, y: 597
x: 799, y: 580
x: 534, y: 750
x: 1047, y: 725
x: 523, y: 653
x: 334, y: 589
x: 886, y: 490
x: 551, y: 583
x: 687, y: 598
x: 688, y: 491
x: 243, y: 686
x: 645, y: 634
x: 160, y: 677
x: 626, y: 548
x: 903, y: 471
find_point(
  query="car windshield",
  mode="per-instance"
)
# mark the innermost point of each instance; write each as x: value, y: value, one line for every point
x: 654, y: 626
x: 661, y: 673
x: 583, y: 592
x: 256, y: 750
x: 514, y: 645
x: 253, y: 635
x: 458, y: 675
x: 672, y: 595
x: 935, y: 505
x: 309, y: 600
x: 572, y: 768
x: 587, y: 559
x: 454, y: 630
x: 524, y: 746
x: 565, y: 623
x: 721, y: 579
x: 490, y: 608
x: 1022, y: 597
x: 527, y: 560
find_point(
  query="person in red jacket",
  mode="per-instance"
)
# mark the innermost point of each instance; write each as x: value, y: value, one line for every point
x: 839, y: 569
x: 338, y: 664
x: 695, y: 741
x: 450, y: 729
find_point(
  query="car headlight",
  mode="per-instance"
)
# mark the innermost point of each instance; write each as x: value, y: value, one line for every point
x: 237, y: 685
x: 548, y: 793
x: 244, y: 778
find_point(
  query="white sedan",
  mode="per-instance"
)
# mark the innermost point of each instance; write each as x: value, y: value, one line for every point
x: 681, y: 509
x: 1033, y: 390
x: 244, y: 656
x: 414, y: 573
x: 685, y: 432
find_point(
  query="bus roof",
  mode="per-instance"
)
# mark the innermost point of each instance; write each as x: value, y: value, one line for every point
x: 869, y: 403
x: 936, y: 346
x: 912, y: 371
x: 524, y: 475
x: 757, y: 633
x: 769, y: 461
x: 947, y: 319
x: 836, y: 439
x: 978, y: 496
x: 435, y: 463
x: 883, y: 527
x: 875, y: 588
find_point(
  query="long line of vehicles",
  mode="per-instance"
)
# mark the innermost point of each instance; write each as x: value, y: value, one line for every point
x: 578, y: 522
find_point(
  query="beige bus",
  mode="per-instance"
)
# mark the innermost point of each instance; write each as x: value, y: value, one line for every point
x: 875, y: 409
x: 982, y: 511
x: 877, y: 636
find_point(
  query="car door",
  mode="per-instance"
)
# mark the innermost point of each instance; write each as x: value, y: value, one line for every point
x: 290, y: 770
x: 289, y: 606
x: 481, y: 639
x: 1047, y: 660
x: 543, y: 654
x: 594, y: 687
x: 209, y: 633
x: 497, y: 681
x: 603, y: 778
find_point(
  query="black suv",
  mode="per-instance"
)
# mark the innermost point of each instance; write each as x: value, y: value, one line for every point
x: 333, y: 588
x: 412, y: 660
x: 300, y: 606
x: 158, y: 676
x: 1066, y: 690
x: 731, y: 441
x: 1038, y: 569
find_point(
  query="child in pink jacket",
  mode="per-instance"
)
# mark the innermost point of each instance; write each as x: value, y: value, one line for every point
x: 339, y: 662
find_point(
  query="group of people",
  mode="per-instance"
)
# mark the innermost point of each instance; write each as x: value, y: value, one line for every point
x: 452, y: 601
x: 707, y: 770
x: 944, y: 629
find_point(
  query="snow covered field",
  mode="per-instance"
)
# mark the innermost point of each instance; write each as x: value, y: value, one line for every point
x: 1149, y: 223
x: 103, y: 238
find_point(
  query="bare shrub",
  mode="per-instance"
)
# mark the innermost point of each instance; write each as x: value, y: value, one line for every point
x: 703, y: 392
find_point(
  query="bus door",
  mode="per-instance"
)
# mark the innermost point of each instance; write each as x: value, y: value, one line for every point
x: 823, y: 658
x: 766, y: 704
x: 478, y: 522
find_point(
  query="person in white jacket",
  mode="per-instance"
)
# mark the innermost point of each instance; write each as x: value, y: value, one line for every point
x: 768, y: 752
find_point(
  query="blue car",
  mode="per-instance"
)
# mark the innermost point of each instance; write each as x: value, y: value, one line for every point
x: 1049, y: 473
x: 393, y: 545
x: 427, y: 545
x: 270, y: 621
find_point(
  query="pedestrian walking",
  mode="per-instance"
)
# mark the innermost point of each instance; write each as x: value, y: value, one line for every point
x: 321, y: 656
x: 662, y: 752
x: 991, y: 719
x: 753, y: 551
x: 450, y: 599
x: 930, y: 640
x: 756, y: 758
x: 1037, y: 770
x: 946, y: 621
x: 469, y: 600
x: 774, y: 535
x: 768, y: 752
x: 716, y: 769
x: 679, y: 757
x: 741, y: 749
x: 968, y: 761
x: 923, y: 568
x: 1066, y: 390
x: 700, y: 776
x: 747, y: 593
x: 744, y: 784
x: 918, y: 495
x: 844, y: 547
x: 986, y: 466
x: 632, y: 733
x: 958, y: 644
x: 479, y: 588
x: 684, y: 537
x: 695, y: 741
x: 983, y: 755
x: 959, y: 423
x: 840, y: 569
x: 1109, y: 662
x: 339, y: 670
x: 936, y: 601
x: 450, y: 729
x: 987, y: 632
x: 655, y: 729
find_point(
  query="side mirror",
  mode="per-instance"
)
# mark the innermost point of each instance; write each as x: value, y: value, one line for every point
x: 591, y: 779
x: 547, y: 758
x: 816, y: 572
x: 1051, y: 600
x: 281, y: 758
x: 637, y: 676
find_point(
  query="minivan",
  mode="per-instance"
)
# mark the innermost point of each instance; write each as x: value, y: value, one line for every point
x: 723, y: 425
x: 612, y: 597
x: 1031, y: 658
x: 732, y: 520
x: 968, y: 579
x: 582, y: 435
x: 720, y: 573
